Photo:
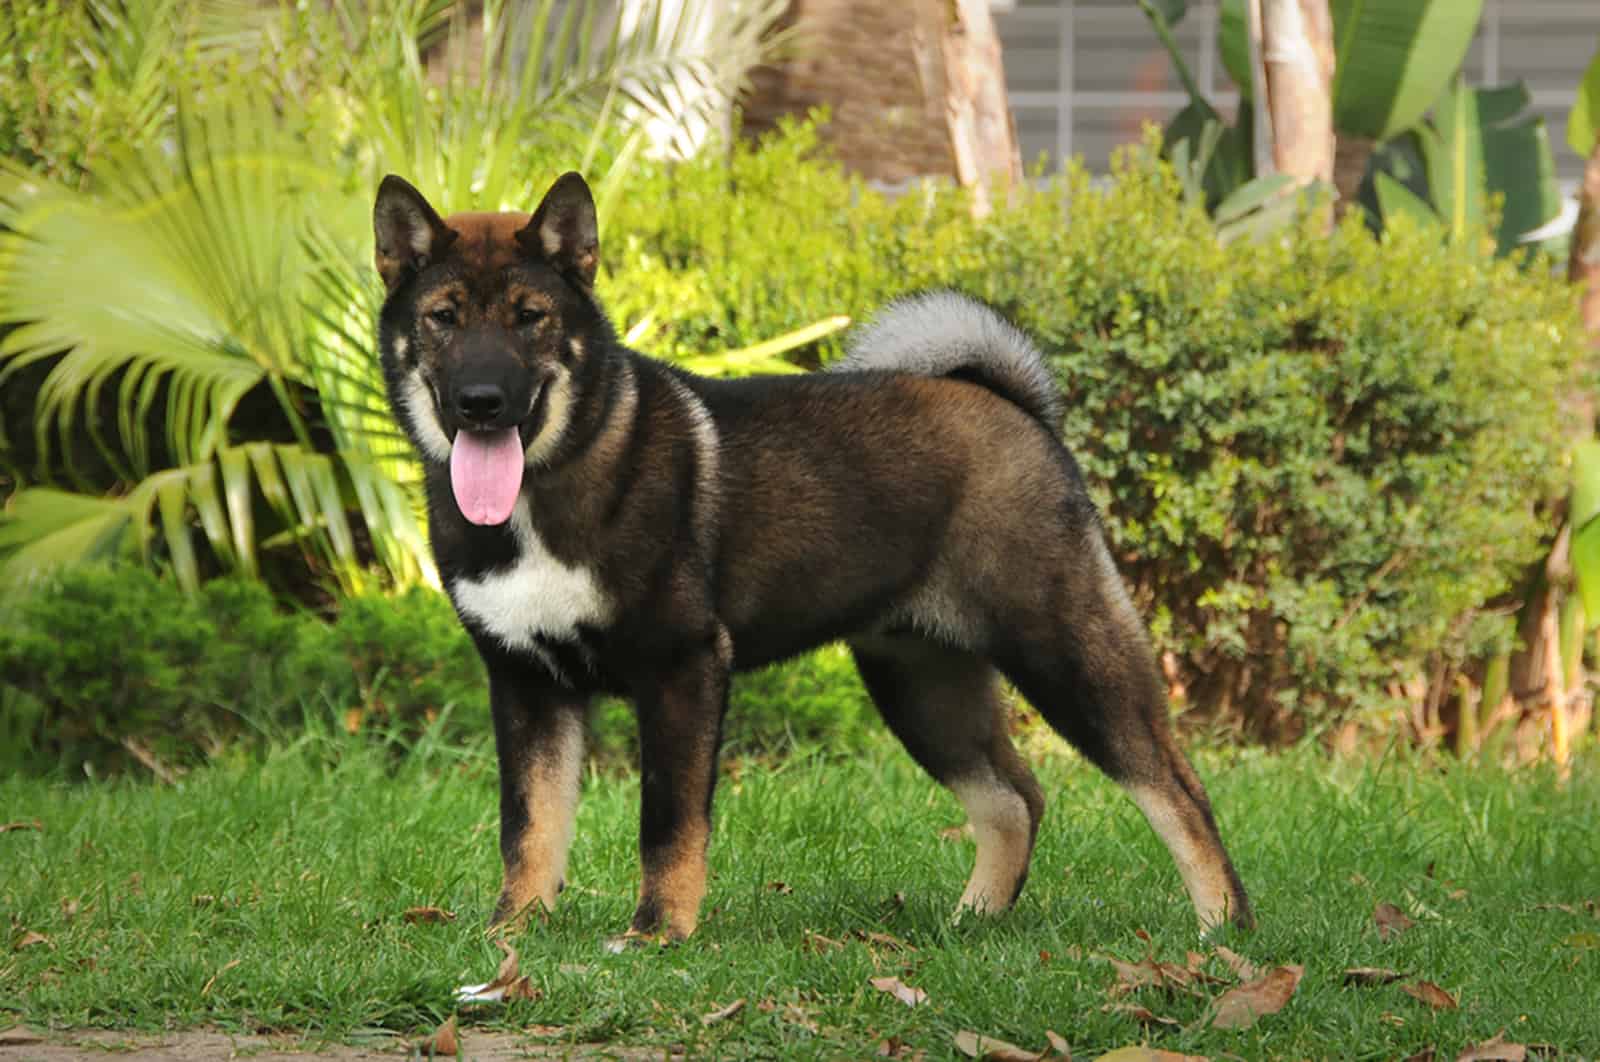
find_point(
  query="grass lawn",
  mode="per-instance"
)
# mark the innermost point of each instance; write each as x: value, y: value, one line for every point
x: 270, y: 896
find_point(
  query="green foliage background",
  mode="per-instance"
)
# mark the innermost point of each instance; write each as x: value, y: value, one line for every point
x: 1322, y: 459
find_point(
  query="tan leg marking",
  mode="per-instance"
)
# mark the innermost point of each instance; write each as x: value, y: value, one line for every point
x: 1004, y: 831
x: 676, y: 884
x: 1199, y: 860
x: 535, y: 873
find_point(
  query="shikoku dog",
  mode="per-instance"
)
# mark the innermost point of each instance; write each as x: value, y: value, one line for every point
x: 607, y: 523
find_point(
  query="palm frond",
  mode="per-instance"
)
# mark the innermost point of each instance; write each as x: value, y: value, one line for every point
x: 308, y: 494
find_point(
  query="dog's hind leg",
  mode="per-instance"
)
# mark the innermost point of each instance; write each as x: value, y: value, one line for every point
x: 1081, y: 656
x: 945, y: 706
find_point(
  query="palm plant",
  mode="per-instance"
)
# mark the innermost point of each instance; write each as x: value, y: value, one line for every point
x: 210, y: 282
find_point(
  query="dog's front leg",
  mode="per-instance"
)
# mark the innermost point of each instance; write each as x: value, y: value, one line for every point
x: 538, y: 736
x: 680, y: 730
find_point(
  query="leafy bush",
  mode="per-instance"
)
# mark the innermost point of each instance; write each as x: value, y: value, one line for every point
x: 104, y: 666
x: 1320, y: 457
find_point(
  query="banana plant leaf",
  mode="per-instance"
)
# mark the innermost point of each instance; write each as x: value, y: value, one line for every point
x: 1480, y: 143
x: 1393, y: 58
x: 1585, y: 518
x: 1584, y: 121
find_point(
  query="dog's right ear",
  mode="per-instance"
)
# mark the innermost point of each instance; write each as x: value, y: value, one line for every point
x: 407, y: 232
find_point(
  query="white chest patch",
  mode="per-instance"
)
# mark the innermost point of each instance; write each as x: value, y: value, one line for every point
x: 536, y: 596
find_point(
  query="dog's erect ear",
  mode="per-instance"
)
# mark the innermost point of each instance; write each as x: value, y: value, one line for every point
x: 408, y: 233
x: 563, y: 231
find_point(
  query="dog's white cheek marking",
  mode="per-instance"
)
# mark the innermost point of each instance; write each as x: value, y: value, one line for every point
x: 558, y: 411
x: 1000, y: 825
x: 418, y: 400
x: 536, y: 596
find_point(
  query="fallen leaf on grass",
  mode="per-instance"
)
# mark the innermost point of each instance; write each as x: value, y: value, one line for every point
x: 31, y: 939
x: 8, y: 827
x: 1425, y: 1055
x: 1391, y: 921
x: 427, y: 915
x: 780, y: 887
x: 887, y: 940
x: 1494, y: 1050
x: 818, y: 943
x: 722, y: 1013
x: 988, y: 1049
x: 1059, y: 1045
x: 1367, y: 976
x: 1147, y: 973
x: 956, y: 833
x: 507, y: 984
x: 900, y: 990
x: 230, y: 964
x: 1142, y: 1015
x: 894, y: 1047
x: 1148, y: 1054
x: 1431, y: 994
x: 443, y: 1041
x: 1242, y: 968
x: 1242, y: 1007
x: 796, y: 1015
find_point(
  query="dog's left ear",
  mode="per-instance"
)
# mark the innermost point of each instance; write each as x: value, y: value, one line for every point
x: 563, y: 231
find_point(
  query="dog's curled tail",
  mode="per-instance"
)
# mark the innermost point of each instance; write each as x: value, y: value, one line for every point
x: 944, y: 333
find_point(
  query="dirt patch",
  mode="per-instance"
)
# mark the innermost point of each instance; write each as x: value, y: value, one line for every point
x: 206, y: 1045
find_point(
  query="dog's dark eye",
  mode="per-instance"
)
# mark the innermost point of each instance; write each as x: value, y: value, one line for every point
x: 444, y: 317
x: 529, y: 315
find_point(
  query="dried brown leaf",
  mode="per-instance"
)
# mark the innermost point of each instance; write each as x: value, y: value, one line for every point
x: 1367, y: 976
x: 1058, y: 1044
x: 899, y: 990
x: 818, y: 943
x: 33, y: 824
x: 1242, y: 968
x: 886, y: 940
x: 1148, y: 1054
x: 1425, y: 1055
x: 1142, y: 1015
x: 1391, y: 921
x: 507, y: 984
x: 1494, y: 1050
x: 31, y: 939
x: 988, y: 1049
x: 956, y: 833
x: 782, y: 888
x: 212, y: 980
x: 796, y: 1015
x: 427, y: 915
x: 1431, y: 994
x: 722, y: 1014
x: 1242, y: 1007
x: 893, y: 1047
x: 443, y: 1041
x: 1147, y: 973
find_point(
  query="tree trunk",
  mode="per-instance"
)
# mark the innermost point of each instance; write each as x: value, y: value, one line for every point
x: 1583, y: 266
x: 1350, y: 157
x: 983, y: 137
x: 1262, y: 151
x: 1297, y: 54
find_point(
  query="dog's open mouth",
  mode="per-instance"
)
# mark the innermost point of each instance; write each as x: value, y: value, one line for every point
x: 486, y: 467
x: 486, y: 473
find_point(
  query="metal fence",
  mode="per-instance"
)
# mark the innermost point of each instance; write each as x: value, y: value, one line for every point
x: 1084, y: 75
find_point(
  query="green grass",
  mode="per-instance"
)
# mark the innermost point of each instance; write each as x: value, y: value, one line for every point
x: 310, y: 857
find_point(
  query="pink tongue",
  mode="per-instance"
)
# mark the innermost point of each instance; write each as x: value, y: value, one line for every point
x: 486, y: 474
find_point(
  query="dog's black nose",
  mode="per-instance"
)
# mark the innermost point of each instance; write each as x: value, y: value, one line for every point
x: 480, y: 403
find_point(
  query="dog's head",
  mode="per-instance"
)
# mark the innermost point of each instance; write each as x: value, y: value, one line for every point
x: 481, y: 333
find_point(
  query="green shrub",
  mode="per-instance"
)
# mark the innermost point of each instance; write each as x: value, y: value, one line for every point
x: 1321, y: 457
x: 101, y: 667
